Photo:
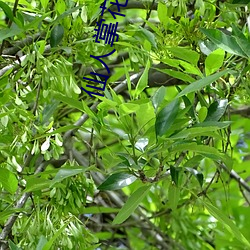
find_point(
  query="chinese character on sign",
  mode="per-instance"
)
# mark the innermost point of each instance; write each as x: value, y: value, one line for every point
x: 103, y: 7
x: 108, y: 34
x: 108, y: 31
x: 106, y: 77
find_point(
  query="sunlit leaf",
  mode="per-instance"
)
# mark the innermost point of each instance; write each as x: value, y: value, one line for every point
x: 216, y: 110
x: 8, y: 180
x: 214, y: 61
x: 186, y: 54
x: 117, y: 181
x: 67, y: 172
x: 223, y: 41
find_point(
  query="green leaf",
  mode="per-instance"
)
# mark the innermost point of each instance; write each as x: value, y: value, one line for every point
x: 67, y: 12
x: 244, y: 45
x: 143, y: 34
x: 98, y: 210
x: 198, y: 175
x: 193, y: 132
x: 117, y: 181
x: 216, y: 110
x: 9, y: 211
x: 56, y: 131
x: 56, y: 35
x: 197, y: 85
x: 177, y: 74
x: 219, y: 125
x: 70, y: 101
x: 166, y: 117
x: 132, y: 203
x: 204, y: 150
x: 174, y: 172
x: 237, y: 32
x: 7, y: 10
x: 158, y: 97
x: 13, y: 246
x: 49, y: 244
x: 9, y: 32
x: 194, y: 161
x: 41, y: 243
x: 49, y: 110
x: 227, y: 223
x: 44, y: 3
x: 36, y: 21
x: 143, y: 81
x: 128, y: 108
x: 188, y: 105
x: 66, y: 172
x: 8, y: 180
x: 186, y: 54
x: 207, y: 46
x: 173, y: 196
x: 162, y: 12
x: 214, y: 61
x: 202, y: 114
x: 223, y: 41
x: 35, y: 184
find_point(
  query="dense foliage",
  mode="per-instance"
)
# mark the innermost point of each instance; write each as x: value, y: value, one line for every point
x: 161, y: 161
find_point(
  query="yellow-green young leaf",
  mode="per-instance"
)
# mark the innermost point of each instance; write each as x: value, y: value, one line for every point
x: 214, y: 61
x: 8, y: 180
x: 44, y: 3
x: 228, y: 224
x: 186, y: 54
x: 128, y: 108
x: 60, y: 6
x: 162, y: 12
x: 132, y: 203
x: 202, y: 114
x: 143, y: 81
x: 173, y: 196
